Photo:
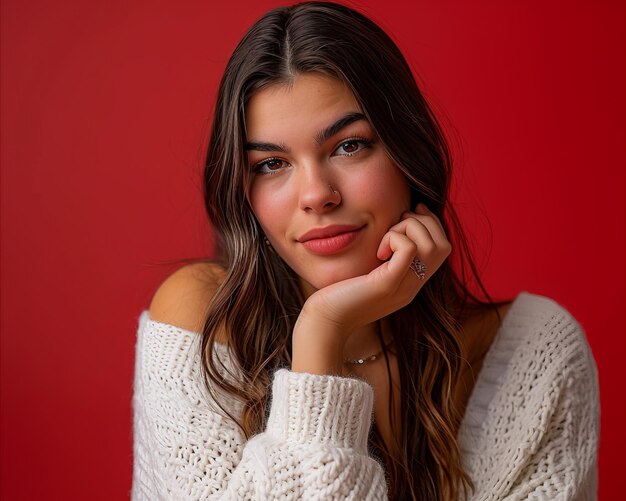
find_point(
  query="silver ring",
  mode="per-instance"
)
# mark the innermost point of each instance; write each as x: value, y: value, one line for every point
x: 419, y: 268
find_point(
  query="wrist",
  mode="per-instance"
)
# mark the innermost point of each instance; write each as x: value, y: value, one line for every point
x: 317, y: 345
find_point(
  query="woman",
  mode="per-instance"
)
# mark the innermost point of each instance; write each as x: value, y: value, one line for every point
x: 327, y: 183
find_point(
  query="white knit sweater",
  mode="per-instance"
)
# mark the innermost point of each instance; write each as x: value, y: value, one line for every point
x: 530, y: 430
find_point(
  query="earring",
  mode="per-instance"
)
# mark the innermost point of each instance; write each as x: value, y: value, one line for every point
x: 269, y: 245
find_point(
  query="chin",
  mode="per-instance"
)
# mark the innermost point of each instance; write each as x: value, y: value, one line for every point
x: 321, y: 278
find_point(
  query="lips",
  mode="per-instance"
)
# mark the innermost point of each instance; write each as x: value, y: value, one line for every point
x: 330, y: 239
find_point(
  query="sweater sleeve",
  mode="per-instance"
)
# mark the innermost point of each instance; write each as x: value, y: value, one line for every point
x: 314, y: 445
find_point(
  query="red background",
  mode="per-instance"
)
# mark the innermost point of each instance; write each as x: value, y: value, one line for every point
x: 105, y: 107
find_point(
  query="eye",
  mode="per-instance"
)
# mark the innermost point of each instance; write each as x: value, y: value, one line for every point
x: 352, y: 146
x: 269, y: 166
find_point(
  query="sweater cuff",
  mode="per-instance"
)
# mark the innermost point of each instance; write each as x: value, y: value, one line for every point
x: 321, y: 408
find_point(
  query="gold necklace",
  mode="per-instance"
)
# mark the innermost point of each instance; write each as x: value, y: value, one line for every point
x: 361, y: 361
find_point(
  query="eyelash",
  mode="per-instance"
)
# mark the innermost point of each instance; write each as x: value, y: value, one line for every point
x: 364, y: 142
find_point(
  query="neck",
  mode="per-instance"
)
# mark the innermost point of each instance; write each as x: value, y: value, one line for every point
x: 365, y: 341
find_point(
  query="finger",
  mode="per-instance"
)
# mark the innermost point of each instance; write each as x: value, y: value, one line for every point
x: 417, y: 231
x: 401, y: 274
x: 407, y: 267
x: 400, y: 247
x: 422, y: 208
x: 427, y: 249
x: 430, y: 221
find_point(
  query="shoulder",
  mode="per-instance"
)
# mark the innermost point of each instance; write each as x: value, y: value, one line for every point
x: 169, y: 374
x: 547, y: 326
x: 542, y: 344
x: 534, y: 414
x: 183, y: 298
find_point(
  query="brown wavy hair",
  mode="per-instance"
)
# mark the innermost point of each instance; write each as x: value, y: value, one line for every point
x: 259, y: 300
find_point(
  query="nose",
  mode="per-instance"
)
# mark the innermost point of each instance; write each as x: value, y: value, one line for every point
x: 318, y: 192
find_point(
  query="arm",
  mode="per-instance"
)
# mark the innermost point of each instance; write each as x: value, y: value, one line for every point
x: 315, y: 442
x: 314, y: 445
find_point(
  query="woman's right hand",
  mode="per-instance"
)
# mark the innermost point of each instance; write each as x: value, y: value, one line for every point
x: 332, y: 314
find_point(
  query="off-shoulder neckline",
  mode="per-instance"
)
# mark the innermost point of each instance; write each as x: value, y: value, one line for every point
x: 146, y: 314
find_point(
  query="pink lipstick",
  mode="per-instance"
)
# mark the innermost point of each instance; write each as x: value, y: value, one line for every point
x: 330, y: 239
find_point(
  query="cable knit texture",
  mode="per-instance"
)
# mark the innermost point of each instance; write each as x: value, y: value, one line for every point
x: 530, y: 430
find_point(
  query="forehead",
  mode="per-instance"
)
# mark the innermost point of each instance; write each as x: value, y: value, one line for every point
x: 309, y: 102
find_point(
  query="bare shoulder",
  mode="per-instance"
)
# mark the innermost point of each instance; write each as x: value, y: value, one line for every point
x: 183, y: 298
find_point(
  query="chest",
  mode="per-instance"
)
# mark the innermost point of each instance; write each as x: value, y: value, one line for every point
x: 478, y: 334
x: 388, y: 397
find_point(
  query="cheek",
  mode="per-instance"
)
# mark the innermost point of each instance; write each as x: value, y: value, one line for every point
x: 384, y: 185
x: 270, y: 209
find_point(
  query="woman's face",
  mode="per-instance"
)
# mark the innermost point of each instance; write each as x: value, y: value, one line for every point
x: 321, y: 184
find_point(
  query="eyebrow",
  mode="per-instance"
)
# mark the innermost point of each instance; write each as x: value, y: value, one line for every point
x: 320, y: 137
x: 331, y: 130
